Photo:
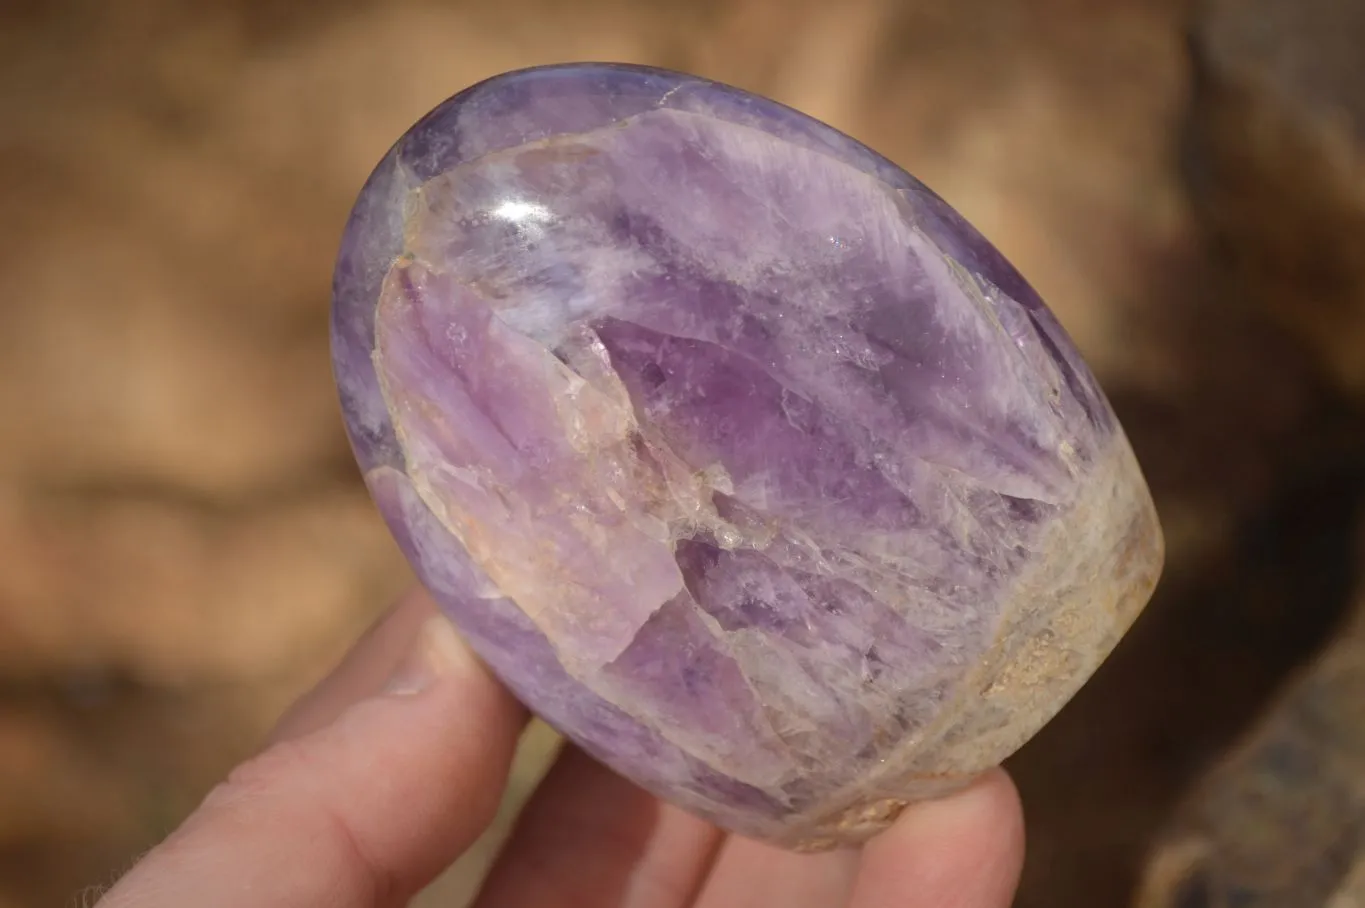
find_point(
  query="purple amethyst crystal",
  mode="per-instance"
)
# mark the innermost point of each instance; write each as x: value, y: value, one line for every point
x: 745, y: 462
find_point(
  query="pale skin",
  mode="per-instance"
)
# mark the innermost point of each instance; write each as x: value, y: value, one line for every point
x: 394, y: 764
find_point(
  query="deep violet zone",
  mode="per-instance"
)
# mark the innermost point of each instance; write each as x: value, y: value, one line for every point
x: 889, y: 414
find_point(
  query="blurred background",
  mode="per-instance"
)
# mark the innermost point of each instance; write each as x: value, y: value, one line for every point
x: 184, y: 541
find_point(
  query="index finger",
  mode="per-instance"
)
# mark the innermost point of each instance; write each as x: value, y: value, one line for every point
x: 367, y: 801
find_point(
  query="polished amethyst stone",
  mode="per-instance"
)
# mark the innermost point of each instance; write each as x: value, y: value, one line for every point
x: 744, y: 461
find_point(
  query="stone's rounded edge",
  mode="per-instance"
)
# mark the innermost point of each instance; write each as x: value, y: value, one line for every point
x: 371, y: 241
x: 534, y: 103
x: 743, y: 108
x: 1105, y: 559
x: 531, y: 105
x: 1073, y: 608
x: 958, y: 239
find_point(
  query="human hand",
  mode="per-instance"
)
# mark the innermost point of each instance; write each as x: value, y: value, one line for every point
x: 392, y: 767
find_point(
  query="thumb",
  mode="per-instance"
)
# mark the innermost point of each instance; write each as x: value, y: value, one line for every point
x: 364, y: 800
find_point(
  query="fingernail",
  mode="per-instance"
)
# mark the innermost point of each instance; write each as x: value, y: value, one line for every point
x: 436, y: 652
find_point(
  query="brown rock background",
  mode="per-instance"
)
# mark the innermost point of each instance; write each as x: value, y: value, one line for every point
x: 1274, y: 155
x: 1279, y: 821
x: 184, y: 545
